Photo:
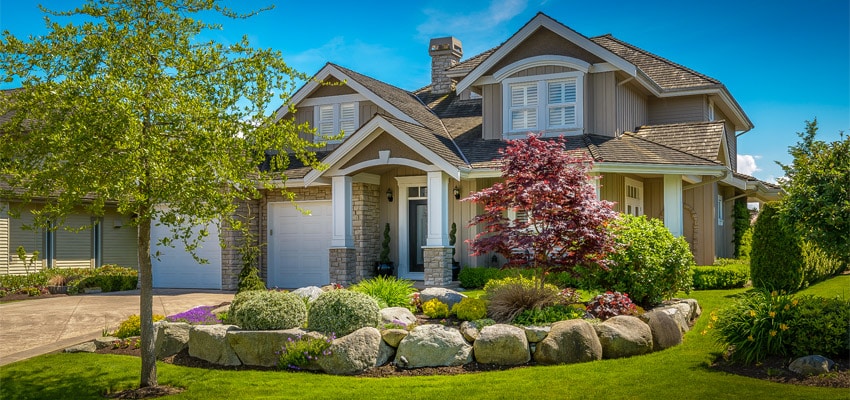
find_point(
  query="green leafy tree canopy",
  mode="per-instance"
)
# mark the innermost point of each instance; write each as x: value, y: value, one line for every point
x: 129, y: 104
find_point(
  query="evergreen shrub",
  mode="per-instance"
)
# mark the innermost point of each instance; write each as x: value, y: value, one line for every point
x: 267, y: 310
x: 343, y: 311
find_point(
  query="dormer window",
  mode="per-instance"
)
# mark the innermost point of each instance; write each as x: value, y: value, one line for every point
x: 330, y: 119
x: 551, y: 104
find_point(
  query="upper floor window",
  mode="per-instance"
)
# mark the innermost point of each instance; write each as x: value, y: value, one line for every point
x: 330, y: 119
x: 551, y: 104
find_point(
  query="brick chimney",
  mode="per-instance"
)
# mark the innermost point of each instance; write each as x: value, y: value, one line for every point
x: 445, y: 53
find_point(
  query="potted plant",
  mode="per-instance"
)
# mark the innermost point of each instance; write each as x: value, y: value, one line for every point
x: 452, y: 240
x: 57, y: 284
x: 385, y: 267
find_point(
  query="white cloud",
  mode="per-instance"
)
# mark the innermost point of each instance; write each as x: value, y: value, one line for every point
x: 747, y: 164
x: 441, y: 23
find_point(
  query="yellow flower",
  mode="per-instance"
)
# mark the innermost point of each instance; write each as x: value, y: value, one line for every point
x: 772, y: 333
x: 794, y: 302
x: 752, y: 313
x: 787, y: 307
x: 773, y: 293
x: 750, y: 338
x: 704, y: 332
x: 714, y: 317
x: 783, y: 327
x: 772, y: 314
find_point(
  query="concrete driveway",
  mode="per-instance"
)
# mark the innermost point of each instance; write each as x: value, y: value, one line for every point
x: 34, y: 327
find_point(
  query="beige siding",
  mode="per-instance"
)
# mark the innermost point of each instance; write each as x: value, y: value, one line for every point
x: 725, y: 234
x: 677, y: 109
x: 631, y: 109
x: 600, y: 104
x: 491, y: 101
x: 31, y: 240
x: 544, y: 42
x: 4, y: 239
x: 612, y: 188
x: 542, y: 70
x: 304, y: 115
x: 119, y: 241
x: 699, y: 222
x: 731, y: 139
x: 653, y: 197
x: 73, y: 248
x: 368, y: 109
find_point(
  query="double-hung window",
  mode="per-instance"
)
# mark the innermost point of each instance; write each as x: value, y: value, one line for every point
x: 333, y: 118
x: 551, y: 104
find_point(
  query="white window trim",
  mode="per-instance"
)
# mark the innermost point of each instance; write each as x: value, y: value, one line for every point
x: 719, y: 210
x: 337, y: 104
x: 543, y: 105
x: 631, y: 205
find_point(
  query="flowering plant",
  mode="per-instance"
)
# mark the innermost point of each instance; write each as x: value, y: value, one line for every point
x: 197, y: 316
x: 301, y: 351
x: 756, y: 325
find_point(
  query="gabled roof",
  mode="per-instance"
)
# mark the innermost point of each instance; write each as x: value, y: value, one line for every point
x: 702, y: 139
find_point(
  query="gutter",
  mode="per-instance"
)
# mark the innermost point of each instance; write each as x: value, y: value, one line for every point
x: 708, y: 182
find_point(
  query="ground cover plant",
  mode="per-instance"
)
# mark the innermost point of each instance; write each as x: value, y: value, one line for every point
x: 682, y: 372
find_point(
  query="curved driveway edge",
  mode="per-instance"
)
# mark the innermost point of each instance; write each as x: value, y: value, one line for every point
x: 33, y: 327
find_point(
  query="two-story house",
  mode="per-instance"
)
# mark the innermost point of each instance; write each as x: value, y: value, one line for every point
x: 663, y: 137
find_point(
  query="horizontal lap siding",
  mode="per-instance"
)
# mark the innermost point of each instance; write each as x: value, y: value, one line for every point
x: 4, y: 239
x: 120, y: 246
x: 31, y: 240
x: 73, y: 248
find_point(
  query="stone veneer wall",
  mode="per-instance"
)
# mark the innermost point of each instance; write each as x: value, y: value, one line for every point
x: 275, y: 196
x: 438, y: 266
x: 231, y: 260
x: 367, y: 234
x: 342, y: 265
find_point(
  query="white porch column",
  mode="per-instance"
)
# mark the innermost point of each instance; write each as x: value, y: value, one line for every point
x: 673, y: 204
x: 342, y: 209
x: 438, y: 209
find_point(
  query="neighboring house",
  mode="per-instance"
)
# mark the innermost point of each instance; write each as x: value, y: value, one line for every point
x: 663, y: 136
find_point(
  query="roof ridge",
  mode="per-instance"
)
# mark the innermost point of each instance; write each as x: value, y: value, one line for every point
x: 693, y: 123
x: 665, y: 60
x: 646, y: 139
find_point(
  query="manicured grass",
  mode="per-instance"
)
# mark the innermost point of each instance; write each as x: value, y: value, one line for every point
x: 678, y: 373
x: 837, y: 286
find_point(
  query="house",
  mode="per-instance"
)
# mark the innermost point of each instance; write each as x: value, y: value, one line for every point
x: 663, y: 138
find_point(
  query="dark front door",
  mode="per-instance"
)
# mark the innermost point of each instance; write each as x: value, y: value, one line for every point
x: 418, y: 226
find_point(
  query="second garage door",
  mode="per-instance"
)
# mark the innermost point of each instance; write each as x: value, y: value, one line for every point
x: 298, y: 244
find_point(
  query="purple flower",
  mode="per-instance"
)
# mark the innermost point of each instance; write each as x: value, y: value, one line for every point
x: 197, y: 316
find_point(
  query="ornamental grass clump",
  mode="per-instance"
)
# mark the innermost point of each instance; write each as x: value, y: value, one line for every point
x: 197, y: 316
x: 267, y: 310
x: 343, y: 311
x: 299, y: 352
x: 756, y: 325
x: 388, y: 290
x: 509, y: 297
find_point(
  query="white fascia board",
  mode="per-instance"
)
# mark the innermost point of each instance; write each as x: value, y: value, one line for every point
x: 731, y: 180
x: 662, y: 169
x: 480, y: 173
x: 328, y: 70
x: 541, y: 20
x: 363, y: 136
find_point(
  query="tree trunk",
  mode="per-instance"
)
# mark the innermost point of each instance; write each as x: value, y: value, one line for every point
x: 146, y: 305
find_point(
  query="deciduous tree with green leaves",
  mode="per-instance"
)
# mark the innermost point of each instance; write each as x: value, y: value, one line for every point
x: 817, y: 183
x: 129, y: 103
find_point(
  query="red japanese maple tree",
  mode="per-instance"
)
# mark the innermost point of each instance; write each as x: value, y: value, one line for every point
x: 560, y: 221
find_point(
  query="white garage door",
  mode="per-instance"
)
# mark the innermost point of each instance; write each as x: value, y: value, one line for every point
x: 298, y: 244
x: 177, y: 269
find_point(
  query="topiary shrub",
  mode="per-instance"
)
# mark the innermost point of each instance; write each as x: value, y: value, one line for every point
x: 509, y: 297
x: 387, y: 290
x: 469, y: 309
x: 776, y: 261
x: 267, y: 310
x: 650, y: 265
x: 342, y: 312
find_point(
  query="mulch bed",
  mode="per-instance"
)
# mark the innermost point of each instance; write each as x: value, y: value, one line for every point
x: 775, y: 369
x: 22, y: 297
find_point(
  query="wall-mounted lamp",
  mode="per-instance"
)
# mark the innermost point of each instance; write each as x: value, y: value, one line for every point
x: 456, y: 192
x: 390, y: 195
x: 494, y: 261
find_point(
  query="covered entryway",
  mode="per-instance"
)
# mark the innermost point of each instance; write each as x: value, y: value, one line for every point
x: 176, y: 268
x: 298, y: 244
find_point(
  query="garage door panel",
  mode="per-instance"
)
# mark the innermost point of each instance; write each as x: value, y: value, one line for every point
x: 176, y: 268
x: 298, y: 245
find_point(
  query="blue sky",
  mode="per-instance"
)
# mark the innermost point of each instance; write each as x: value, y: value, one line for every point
x: 784, y: 61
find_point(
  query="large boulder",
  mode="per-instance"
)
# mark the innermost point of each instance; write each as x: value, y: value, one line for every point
x: 448, y: 296
x: 393, y: 336
x: 665, y: 330
x: 105, y: 341
x: 308, y: 292
x: 385, y: 354
x: 624, y: 336
x: 170, y: 338
x: 680, y: 317
x: 259, y: 348
x: 535, y: 334
x: 568, y: 342
x: 87, y: 347
x: 209, y: 343
x: 811, y: 365
x: 397, y: 315
x: 469, y: 330
x: 353, y: 353
x: 433, y: 346
x: 502, y: 344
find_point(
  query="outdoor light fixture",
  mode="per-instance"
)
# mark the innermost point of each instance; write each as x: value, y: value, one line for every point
x: 390, y: 195
x: 456, y: 192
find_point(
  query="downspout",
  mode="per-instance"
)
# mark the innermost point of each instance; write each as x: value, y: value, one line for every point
x: 708, y: 182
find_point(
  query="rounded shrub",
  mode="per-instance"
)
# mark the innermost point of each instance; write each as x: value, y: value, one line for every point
x: 650, y: 265
x: 132, y: 326
x: 469, y: 309
x: 342, y: 312
x: 828, y: 318
x: 776, y: 260
x: 267, y: 310
x: 435, y: 308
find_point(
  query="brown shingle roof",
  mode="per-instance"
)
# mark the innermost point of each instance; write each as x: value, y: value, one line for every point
x: 701, y: 139
x: 632, y: 149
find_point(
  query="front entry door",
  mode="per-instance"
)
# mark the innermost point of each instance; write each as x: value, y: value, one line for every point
x: 418, y: 230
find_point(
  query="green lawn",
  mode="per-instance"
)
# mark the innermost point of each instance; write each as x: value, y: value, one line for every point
x: 677, y: 373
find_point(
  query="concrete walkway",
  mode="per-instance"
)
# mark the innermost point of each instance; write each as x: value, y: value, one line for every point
x: 33, y: 327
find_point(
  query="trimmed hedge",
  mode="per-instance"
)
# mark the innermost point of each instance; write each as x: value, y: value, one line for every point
x: 722, y: 275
